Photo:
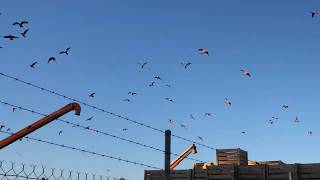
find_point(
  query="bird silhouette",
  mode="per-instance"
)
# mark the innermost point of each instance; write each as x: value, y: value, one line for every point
x: 11, y: 37
x: 20, y: 24
x: 124, y: 129
x: 127, y: 100
x: 1, y: 127
x: 90, y: 118
x: 14, y: 109
x: 60, y: 132
x: 192, y: 117
x: 243, y: 132
x: 168, y: 99
x: 157, y: 77
x: 203, y: 51
x: 51, y: 59
x: 285, y: 106
x: 270, y: 121
x: 168, y: 85
x: 92, y: 95
x: 24, y: 33
x: 245, y: 72
x: 183, y: 126
x: 171, y: 121
x: 142, y: 65
x: 276, y: 118
x: 228, y: 101
x: 310, y: 133
x: 132, y: 93
x: 188, y: 64
x: 313, y: 13
x: 8, y: 129
x: 66, y: 51
x: 33, y: 65
x: 207, y: 114
x: 199, y: 137
x: 296, y: 119
x: 152, y: 84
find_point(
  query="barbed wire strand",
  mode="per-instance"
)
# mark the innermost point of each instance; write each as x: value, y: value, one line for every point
x: 41, y: 172
x: 87, y: 128
x: 102, y: 110
x: 85, y: 151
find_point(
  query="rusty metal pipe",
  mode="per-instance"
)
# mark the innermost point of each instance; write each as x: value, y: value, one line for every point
x: 47, y: 119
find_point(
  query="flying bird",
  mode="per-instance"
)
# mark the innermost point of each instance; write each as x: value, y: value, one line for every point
x: 310, y: 133
x: 143, y: 64
x: 207, y: 114
x: 313, y: 13
x: 228, y: 101
x: 168, y: 99
x: 270, y: 121
x: 243, y: 132
x: 1, y: 127
x: 127, y: 100
x: 185, y: 65
x: 245, y: 72
x: 199, y: 137
x: 285, y: 106
x: 66, y: 51
x: 132, y: 93
x: 8, y: 129
x: 90, y: 118
x: 33, y: 65
x: 14, y: 109
x: 276, y: 118
x: 192, y: 117
x: 124, y: 129
x: 183, y: 126
x: 296, y: 120
x: 11, y: 37
x: 20, y: 24
x: 168, y: 85
x: 92, y: 95
x: 24, y: 33
x: 152, y: 84
x: 157, y: 77
x: 60, y: 132
x: 171, y: 121
x: 51, y: 59
x: 203, y: 51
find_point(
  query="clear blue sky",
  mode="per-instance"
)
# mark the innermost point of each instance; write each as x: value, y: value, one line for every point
x: 277, y: 41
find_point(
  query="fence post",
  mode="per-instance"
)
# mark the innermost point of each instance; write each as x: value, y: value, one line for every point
x: 167, y: 154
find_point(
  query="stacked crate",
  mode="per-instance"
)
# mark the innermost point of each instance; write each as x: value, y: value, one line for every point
x: 232, y: 157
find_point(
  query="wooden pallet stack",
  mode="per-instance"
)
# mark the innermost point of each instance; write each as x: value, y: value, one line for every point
x: 232, y: 156
x: 235, y: 172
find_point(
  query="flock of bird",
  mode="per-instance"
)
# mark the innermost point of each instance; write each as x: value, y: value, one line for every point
x: 202, y: 51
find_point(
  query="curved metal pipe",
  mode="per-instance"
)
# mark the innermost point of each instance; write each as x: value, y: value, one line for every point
x: 36, y: 125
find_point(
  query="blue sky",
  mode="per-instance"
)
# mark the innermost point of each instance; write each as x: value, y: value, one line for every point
x: 277, y: 41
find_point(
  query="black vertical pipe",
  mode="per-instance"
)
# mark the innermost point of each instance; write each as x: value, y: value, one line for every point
x: 167, y: 154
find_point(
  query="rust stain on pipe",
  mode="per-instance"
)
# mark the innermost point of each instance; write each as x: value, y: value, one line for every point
x: 47, y: 119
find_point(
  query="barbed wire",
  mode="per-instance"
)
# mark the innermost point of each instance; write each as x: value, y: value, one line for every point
x: 94, y: 130
x: 12, y: 171
x: 85, y: 151
x: 102, y: 110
